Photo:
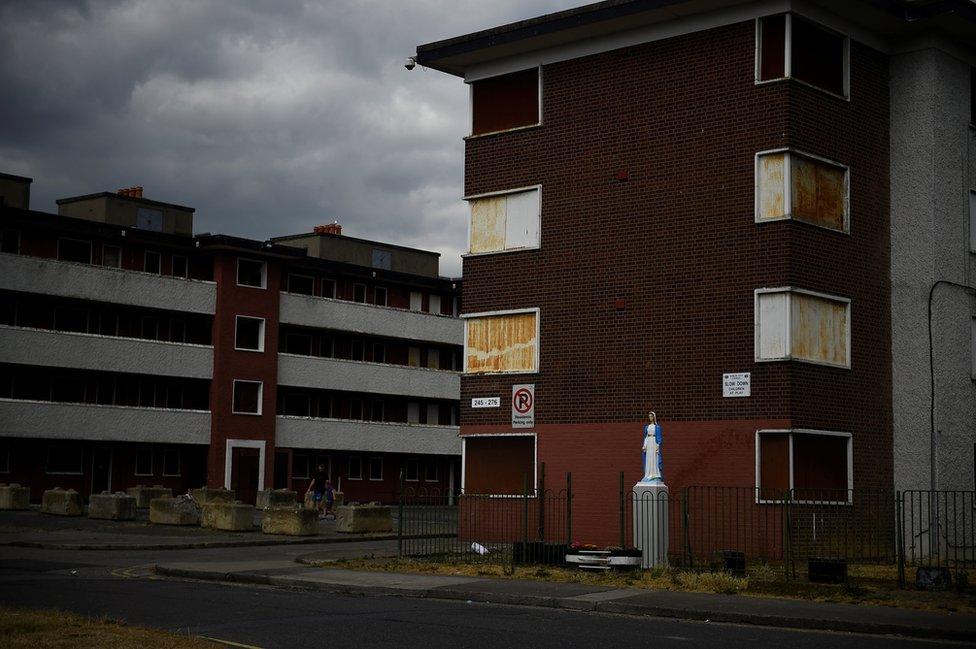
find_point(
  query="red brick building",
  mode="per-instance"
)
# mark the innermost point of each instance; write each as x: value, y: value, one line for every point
x: 665, y: 193
x: 133, y: 352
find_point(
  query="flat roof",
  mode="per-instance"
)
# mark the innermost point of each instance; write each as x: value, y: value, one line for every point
x: 16, y: 177
x: 371, y: 242
x: 955, y: 18
x: 144, y: 201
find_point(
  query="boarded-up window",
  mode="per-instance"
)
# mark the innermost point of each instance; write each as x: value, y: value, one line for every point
x: 505, y: 222
x: 499, y: 464
x: 505, y: 102
x: 801, y: 187
x: 797, y: 325
x: 501, y: 343
x: 819, y: 470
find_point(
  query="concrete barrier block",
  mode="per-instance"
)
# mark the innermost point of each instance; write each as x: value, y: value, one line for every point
x: 61, y: 503
x: 360, y: 519
x: 276, y: 498
x: 208, y: 495
x: 13, y: 496
x: 173, y: 511
x: 112, y: 507
x: 290, y: 521
x: 230, y: 517
x: 144, y: 494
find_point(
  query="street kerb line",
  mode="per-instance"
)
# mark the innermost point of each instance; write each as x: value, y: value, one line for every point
x: 229, y: 643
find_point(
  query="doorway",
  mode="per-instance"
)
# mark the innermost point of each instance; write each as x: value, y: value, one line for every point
x: 101, y: 475
x: 245, y: 474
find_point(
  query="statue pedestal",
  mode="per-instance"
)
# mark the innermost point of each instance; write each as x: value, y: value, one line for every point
x: 651, y: 502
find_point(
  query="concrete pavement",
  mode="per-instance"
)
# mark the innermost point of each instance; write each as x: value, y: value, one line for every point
x: 781, y: 613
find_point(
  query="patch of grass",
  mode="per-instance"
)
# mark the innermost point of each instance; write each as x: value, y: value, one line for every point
x: 869, y: 584
x: 23, y: 628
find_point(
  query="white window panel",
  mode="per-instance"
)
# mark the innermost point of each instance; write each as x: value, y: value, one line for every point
x: 416, y: 301
x: 435, y: 304
x: 795, y: 324
x: 413, y: 413
x: 504, y: 221
x: 433, y: 414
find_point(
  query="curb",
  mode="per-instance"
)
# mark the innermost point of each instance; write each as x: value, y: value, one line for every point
x: 567, y: 603
x: 195, y: 545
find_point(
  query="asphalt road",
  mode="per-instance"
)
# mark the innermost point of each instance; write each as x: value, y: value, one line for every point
x: 114, y: 584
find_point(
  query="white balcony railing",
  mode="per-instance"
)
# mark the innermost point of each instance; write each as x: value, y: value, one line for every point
x: 112, y: 285
x: 376, y: 378
x: 82, y: 421
x: 369, y: 319
x: 25, y: 346
x: 366, y: 436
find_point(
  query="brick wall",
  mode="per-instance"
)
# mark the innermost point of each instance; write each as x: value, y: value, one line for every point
x: 678, y: 243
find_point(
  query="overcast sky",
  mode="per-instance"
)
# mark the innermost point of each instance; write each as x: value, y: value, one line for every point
x: 268, y: 117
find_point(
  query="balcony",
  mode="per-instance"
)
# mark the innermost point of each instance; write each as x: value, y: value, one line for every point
x: 366, y: 436
x: 82, y: 421
x: 376, y: 378
x: 24, y: 346
x: 371, y: 320
x: 112, y: 285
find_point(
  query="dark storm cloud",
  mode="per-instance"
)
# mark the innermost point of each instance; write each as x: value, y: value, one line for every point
x: 268, y: 117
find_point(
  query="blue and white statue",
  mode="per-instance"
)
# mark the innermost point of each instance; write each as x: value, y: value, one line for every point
x: 652, y: 451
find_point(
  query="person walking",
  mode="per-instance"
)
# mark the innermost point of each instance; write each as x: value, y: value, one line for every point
x: 318, y: 488
x: 329, y: 500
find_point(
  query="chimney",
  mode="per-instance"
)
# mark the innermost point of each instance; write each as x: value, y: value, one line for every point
x: 329, y: 228
x: 131, y: 192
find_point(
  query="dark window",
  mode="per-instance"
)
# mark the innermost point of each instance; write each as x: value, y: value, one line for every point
x: 327, y: 347
x: 375, y: 468
x: 250, y: 333
x: 772, y: 47
x: 498, y: 464
x: 150, y: 328
x: 64, y: 459
x: 298, y: 344
x: 297, y: 405
x: 112, y: 256
x: 180, y: 266
x: 774, y: 465
x: 382, y: 259
x: 247, y: 397
x: 430, y: 471
x: 177, y: 331
x: 10, y: 241
x: 4, y: 458
x: 355, y: 468
x: 144, y: 461
x: 358, y: 350
x: 8, y: 311
x: 506, y: 101
x: 70, y: 319
x: 356, y: 409
x: 359, y: 292
x: 108, y: 324
x: 68, y: 389
x: 299, y: 466
x: 171, y: 461
x: 174, y: 395
x: 379, y: 353
x: 817, y: 55
x: 152, y: 262
x: 301, y: 284
x: 972, y: 96
x: 819, y: 470
x: 105, y: 391
x: 412, y: 473
x: 250, y: 273
x: 379, y: 296
x: 74, y: 250
x: 376, y: 411
x: 147, y: 394
x: 328, y: 288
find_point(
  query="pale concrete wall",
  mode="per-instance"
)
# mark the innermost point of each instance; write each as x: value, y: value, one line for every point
x: 368, y: 319
x: 122, y: 211
x: 932, y: 171
x: 77, y: 421
x: 112, y: 285
x: 376, y: 378
x: 14, y: 192
x: 110, y: 354
x: 366, y: 436
x: 360, y: 252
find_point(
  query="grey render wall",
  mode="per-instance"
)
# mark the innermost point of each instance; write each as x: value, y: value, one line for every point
x: 932, y: 172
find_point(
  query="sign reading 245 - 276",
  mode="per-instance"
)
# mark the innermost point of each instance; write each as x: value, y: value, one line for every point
x: 523, y: 406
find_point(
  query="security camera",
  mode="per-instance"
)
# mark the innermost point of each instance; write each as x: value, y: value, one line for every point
x: 410, y: 63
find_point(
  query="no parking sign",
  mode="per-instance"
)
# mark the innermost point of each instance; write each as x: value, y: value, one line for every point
x: 523, y: 406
